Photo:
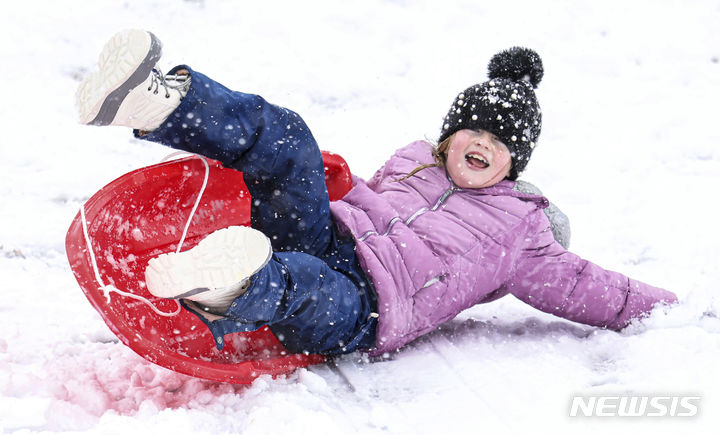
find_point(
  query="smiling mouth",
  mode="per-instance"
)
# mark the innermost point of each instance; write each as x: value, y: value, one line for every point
x: 476, y: 161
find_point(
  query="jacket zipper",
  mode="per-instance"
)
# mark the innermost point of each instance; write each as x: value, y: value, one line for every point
x: 415, y: 215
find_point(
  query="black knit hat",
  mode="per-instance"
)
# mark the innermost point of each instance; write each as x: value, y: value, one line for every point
x: 505, y: 105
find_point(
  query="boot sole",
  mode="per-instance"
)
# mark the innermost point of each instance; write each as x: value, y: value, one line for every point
x: 125, y: 62
x: 221, y: 262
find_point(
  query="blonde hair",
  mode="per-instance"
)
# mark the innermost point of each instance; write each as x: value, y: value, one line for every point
x: 439, y: 153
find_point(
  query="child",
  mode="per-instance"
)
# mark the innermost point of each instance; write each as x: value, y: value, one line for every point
x: 435, y: 231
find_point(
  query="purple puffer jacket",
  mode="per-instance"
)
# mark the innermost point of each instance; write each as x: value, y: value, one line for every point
x: 433, y: 250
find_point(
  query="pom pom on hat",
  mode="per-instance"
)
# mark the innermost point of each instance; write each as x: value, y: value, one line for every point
x: 517, y: 63
x: 505, y: 105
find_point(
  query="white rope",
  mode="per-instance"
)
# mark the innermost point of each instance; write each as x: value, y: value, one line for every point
x: 202, y: 191
x: 109, y: 288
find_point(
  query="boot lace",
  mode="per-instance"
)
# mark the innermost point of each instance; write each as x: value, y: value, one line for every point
x: 181, y: 83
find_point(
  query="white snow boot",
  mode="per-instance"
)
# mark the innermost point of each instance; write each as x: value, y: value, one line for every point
x: 127, y: 89
x: 214, y: 272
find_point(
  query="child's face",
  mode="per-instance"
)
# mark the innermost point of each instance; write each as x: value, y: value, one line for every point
x: 477, y: 158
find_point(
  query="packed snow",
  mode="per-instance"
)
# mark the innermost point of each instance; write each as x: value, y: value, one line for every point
x: 629, y: 151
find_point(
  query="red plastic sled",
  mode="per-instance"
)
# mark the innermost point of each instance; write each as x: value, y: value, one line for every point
x: 141, y: 215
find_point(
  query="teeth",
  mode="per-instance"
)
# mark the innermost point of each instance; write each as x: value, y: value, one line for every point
x: 478, y: 158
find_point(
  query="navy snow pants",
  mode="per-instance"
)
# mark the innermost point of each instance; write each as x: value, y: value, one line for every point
x: 313, y: 294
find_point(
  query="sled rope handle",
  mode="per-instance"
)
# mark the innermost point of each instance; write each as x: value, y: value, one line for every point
x: 109, y: 288
x: 200, y: 194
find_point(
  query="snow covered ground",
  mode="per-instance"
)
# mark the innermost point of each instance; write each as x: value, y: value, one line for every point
x: 629, y: 151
